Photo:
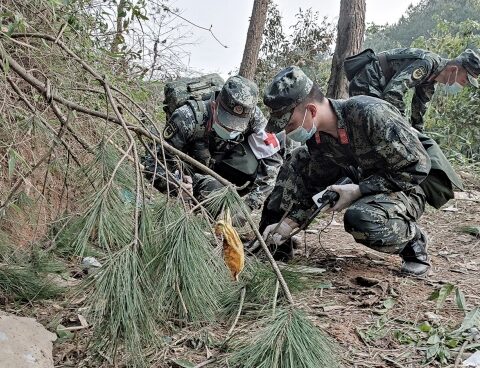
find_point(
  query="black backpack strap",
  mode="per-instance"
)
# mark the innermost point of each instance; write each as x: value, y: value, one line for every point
x: 386, y: 68
x: 198, y: 109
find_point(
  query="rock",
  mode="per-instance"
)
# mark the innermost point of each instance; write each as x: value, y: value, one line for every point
x: 432, y: 317
x: 90, y: 262
x: 473, y: 360
x: 24, y: 343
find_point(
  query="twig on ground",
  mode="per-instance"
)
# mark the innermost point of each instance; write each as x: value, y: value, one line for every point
x: 460, y: 354
x: 275, y: 296
x: 205, y: 363
x: 237, y: 317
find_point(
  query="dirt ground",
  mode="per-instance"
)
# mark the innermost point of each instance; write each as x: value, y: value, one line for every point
x: 363, y: 302
x: 369, y: 302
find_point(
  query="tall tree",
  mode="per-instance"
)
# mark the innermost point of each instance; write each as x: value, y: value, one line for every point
x: 254, y: 38
x: 350, y: 31
x: 119, y: 26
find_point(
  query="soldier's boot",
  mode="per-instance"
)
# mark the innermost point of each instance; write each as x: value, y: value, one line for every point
x: 415, y: 257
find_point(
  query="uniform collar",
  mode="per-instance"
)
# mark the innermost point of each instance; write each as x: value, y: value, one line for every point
x: 337, y: 106
x: 441, y: 63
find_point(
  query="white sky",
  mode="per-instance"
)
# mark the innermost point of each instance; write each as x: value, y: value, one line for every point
x: 230, y: 18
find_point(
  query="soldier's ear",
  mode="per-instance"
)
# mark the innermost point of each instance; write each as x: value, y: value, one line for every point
x: 313, y: 109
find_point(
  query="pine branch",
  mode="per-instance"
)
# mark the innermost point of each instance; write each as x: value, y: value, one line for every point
x: 42, y: 159
x: 288, y: 340
x: 49, y: 94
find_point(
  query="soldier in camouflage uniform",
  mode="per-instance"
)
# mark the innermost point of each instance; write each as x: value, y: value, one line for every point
x: 227, y: 134
x: 362, y: 132
x: 389, y: 75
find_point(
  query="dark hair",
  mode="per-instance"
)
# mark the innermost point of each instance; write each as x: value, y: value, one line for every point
x: 315, y: 95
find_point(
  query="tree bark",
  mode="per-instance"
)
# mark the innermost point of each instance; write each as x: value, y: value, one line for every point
x: 118, y: 39
x: 351, y: 28
x: 254, y: 39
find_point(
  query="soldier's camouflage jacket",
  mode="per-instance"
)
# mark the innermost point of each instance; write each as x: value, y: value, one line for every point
x: 189, y: 130
x: 372, y: 136
x: 408, y: 68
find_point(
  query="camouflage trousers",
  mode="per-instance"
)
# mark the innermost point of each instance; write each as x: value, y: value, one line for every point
x: 385, y: 222
x: 203, y: 185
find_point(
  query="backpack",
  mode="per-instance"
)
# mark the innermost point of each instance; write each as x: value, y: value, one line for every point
x: 353, y: 64
x: 239, y: 164
x: 442, y: 179
x: 189, y: 90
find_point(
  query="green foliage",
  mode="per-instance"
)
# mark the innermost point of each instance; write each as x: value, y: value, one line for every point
x: 288, y: 340
x: 108, y: 218
x: 192, y: 275
x: 120, y: 305
x: 24, y: 275
x: 472, y: 230
x: 307, y: 45
x: 439, y: 340
x: 441, y: 295
x: 421, y: 21
x: 260, y: 282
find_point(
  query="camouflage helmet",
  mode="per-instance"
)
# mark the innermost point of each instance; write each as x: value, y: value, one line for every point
x: 287, y: 89
x: 470, y: 61
x: 236, y: 103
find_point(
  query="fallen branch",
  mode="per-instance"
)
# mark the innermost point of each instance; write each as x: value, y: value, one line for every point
x: 48, y: 93
x: 42, y: 159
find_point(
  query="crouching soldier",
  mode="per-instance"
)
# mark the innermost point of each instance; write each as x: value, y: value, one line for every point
x: 366, y: 139
x: 226, y: 133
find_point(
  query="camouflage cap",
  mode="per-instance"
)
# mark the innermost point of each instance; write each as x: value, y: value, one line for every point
x: 237, y: 102
x: 470, y: 60
x: 287, y: 89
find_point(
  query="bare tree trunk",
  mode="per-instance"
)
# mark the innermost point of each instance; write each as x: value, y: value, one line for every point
x: 119, y: 26
x: 254, y: 39
x: 351, y: 28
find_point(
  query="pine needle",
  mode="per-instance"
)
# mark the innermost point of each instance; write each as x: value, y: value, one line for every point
x: 120, y: 305
x: 191, y: 275
x: 472, y: 230
x: 21, y: 282
x: 223, y: 199
x: 107, y: 219
x: 260, y: 282
x: 289, y: 340
x: 23, y: 275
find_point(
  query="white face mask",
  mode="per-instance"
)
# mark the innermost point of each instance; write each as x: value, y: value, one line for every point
x: 300, y: 134
x: 224, y: 133
x: 455, y: 87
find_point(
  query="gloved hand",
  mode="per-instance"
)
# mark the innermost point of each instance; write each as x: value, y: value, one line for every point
x: 349, y: 193
x: 280, y: 234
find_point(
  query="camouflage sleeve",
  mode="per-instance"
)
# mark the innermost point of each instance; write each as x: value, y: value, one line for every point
x: 422, y: 95
x: 177, y: 132
x: 408, y: 78
x: 406, y: 163
x: 301, y: 177
x: 265, y: 181
x: 258, y: 122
